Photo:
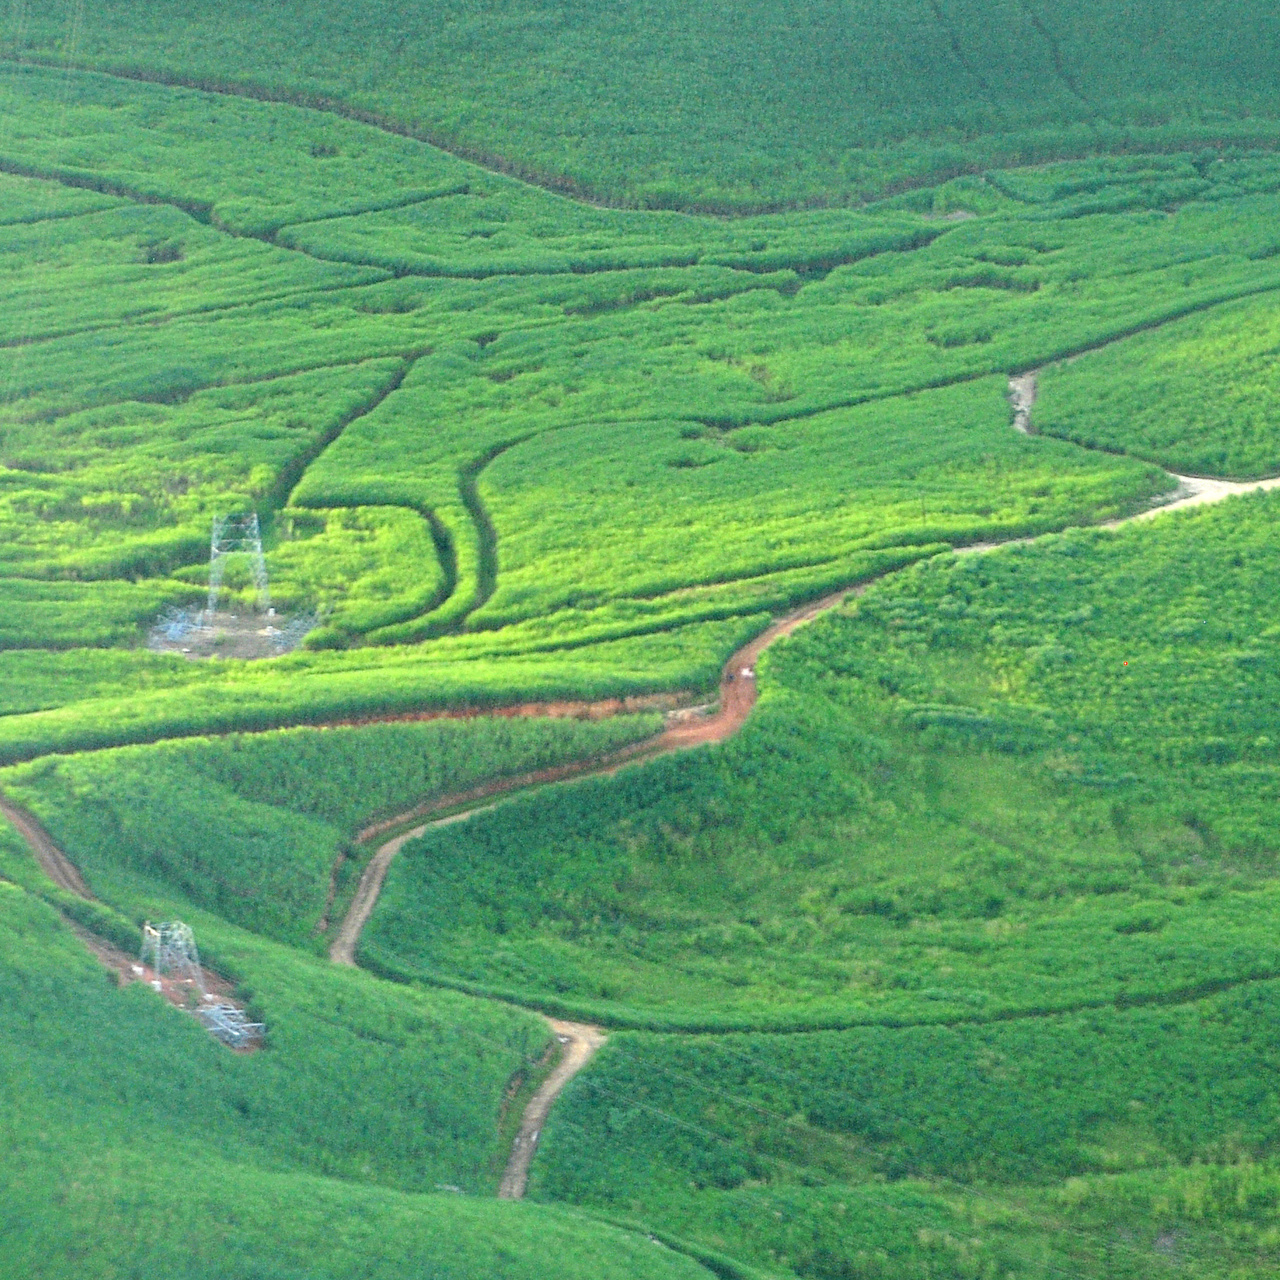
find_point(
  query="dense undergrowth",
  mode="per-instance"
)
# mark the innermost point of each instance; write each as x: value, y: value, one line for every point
x: 134, y: 1142
x: 760, y: 105
x: 1029, y: 780
x: 997, y: 848
x: 259, y: 828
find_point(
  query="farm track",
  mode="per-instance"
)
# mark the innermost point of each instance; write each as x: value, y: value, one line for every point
x: 683, y: 731
x: 738, y: 694
x: 1192, y: 491
x: 53, y: 862
x: 579, y: 1044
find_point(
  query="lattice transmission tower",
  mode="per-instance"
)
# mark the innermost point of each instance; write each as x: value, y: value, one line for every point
x: 170, y: 948
x: 232, y: 536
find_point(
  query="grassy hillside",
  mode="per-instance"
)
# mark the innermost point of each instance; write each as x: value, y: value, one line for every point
x: 760, y: 104
x: 137, y: 1144
x: 386, y: 352
x: 1032, y: 780
x: 939, y: 1151
x: 260, y: 828
x: 960, y: 960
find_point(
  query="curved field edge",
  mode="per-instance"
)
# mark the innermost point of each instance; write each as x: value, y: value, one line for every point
x: 404, y: 685
x: 621, y: 1018
x: 1171, y: 894
x: 1060, y: 89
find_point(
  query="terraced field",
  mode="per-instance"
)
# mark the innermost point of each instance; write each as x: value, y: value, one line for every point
x: 825, y: 654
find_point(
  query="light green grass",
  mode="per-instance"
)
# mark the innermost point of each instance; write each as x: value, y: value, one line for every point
x: 1197, y: 396
x: 954, y: 801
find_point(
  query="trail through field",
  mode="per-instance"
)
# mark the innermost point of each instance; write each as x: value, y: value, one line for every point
x: 692, y: 727
x: 684, y: 729
x: 53, y: 862
x: 62, y: 871
x: 579, y: 1043
x: 1192, y: 491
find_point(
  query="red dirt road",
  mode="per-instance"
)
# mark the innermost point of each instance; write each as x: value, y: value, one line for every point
x: 55, y: 864
x: 738, y: 683
x: 684, y: 729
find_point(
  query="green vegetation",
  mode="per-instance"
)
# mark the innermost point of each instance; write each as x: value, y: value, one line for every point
x: 393, y: 433
x: 960, y: 960
x: 136, y: 1143
x: 258, y: 828
x: 792, y: 1150
x: 1197, y: 396
x: 955, y: 802
x: 760, y: 105
x: 1030, y: 1100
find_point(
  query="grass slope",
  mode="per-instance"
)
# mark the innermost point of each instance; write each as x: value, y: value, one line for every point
x: 1022, y: 781
x: 136, y: 1143
x: 259, y: 828
x: 1086, y: 1145
x: 760, y: 104
x: 997, y: 849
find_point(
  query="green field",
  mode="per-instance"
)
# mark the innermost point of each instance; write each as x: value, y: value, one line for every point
x: 1032, y: 780
x: 761, y: 104
x: 557, y: 350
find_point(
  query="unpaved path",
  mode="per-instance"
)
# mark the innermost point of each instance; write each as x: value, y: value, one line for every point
x: 579, y: 1044
x: 55, y: 864
x: 684, y: 729
x: 1192, y: 491
x: 63, y: 872
x: 687, y: 729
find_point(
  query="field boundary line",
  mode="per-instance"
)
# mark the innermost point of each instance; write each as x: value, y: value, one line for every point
x: 292, y: 472
x: 566, y: 187
x: 952, y: 37
x: 487, y: 161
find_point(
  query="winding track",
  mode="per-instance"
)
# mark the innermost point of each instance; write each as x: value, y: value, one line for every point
x: 737, y: 696
x: 53, y: 862
x: 684, y: 730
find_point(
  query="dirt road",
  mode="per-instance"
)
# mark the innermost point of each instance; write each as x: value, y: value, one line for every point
x: 684, y: 729
x: 579, y: 1044
x: 55, y: 864
x: 1192, y: 491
